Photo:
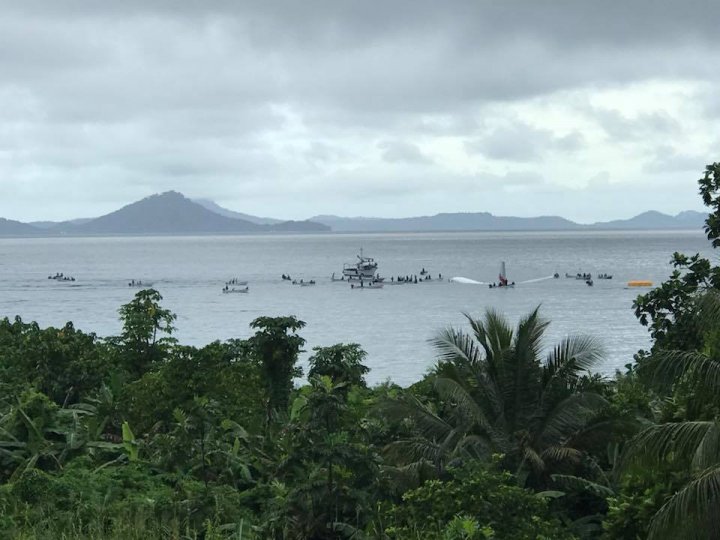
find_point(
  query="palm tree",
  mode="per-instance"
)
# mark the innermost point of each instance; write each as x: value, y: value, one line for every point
x: 692, y: 445
x: 497, y: 396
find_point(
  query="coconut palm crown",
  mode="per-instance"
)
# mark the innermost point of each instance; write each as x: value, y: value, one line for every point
x: 500, y: 397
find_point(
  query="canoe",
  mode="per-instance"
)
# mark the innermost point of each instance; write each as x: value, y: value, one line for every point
x: 640, y: 283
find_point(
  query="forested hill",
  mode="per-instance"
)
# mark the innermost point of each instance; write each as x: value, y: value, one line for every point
x: 9, y: 227
x: 165, y: 213
x: 484, y: 221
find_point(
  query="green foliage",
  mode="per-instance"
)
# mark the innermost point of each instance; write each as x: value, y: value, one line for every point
x: 140, y: 437
x: 226, y: 373
x: 631, y: 511
x: 277, y: 347
x: 497, y: 396
x: 709, y: 188
x: 116, y: 502
x: 64, y: 364
x: 670, y: 310
x: 342, y: 363
x: 144, y: 322
x: 490, y: 503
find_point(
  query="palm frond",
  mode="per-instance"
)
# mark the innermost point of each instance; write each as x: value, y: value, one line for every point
x: 572, y: 355
x: 465, y: 406
x: 532, y: 458
x: 569, y: 416
x: 578, y: 484
x: 708, y: 450
x: 691, y: 512
x: 676, y: 442
x: 455, y: 346
x: 664, y: 368
x: 561, y: 454
x: 404, y: 477
x: 493, y: 333
x: 530, y: 331
x: 428, y: 423
x: 409, y: 451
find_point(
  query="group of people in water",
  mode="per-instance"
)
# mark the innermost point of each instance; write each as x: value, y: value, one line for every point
x: 303, y: 282
x: 579, y: 275
x: 424, y: 276
x: 61, y: 277
x: 286, y: 277
x: 501, y: 284
x: 134, y: 283
x: 227, y: 289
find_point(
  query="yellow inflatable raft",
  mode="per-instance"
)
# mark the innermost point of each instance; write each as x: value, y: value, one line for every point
x: 639, y: 283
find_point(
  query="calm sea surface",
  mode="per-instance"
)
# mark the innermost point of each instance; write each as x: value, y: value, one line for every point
x: 393, y: 324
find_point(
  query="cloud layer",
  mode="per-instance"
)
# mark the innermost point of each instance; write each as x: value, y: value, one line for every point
x: 407, y: 107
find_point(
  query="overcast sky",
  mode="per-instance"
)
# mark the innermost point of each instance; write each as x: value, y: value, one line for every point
x: 586, y: 109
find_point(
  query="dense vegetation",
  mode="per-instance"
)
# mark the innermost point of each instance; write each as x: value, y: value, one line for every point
x: 138, y: 436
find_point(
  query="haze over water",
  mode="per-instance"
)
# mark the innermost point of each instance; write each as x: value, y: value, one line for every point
x: 393, y: 324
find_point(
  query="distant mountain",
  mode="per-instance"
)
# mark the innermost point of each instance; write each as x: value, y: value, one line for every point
x: 9, y: 227
x: 657, y: 220
x: 484, y: 221
x: 481, y: 221
x: 52, y: 224
x: 216, y: 208
x: 167, y: 213
x: 173, y: 213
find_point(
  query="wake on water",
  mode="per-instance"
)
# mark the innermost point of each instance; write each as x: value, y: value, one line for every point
x: 468, y: 281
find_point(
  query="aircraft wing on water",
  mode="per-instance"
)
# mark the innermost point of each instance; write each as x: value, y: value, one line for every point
x: 536, y: 280
x: 466, y: 281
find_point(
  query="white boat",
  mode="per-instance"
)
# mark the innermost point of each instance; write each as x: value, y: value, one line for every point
x: 364, y: 269
x: 234, y: 290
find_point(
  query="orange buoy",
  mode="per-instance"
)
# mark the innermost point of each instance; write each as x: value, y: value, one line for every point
x: 639, y: 283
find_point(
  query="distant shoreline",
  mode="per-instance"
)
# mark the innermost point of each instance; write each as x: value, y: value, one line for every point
x: 347, y: 233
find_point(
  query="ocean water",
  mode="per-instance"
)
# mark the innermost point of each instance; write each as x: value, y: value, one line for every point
x: 393, y: 324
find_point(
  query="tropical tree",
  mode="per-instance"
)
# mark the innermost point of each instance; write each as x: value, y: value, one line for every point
x: 668, y: 310
x: 691, y: 445
x: 343, y: 363
x: 146, y: 329
x: 277, y: 346
x: 495, y: 395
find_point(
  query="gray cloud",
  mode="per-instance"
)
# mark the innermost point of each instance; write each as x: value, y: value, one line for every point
x: 519, y: 141
x: 620, y: 127
x: 402, y: 152
x: 667, y: 159
x: 103, y: 103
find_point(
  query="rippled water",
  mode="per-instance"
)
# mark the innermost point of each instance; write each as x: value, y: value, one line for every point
x: 392, y: 324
